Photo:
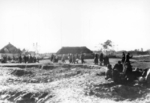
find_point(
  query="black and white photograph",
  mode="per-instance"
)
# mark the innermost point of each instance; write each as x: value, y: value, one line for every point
x: 74, y: 51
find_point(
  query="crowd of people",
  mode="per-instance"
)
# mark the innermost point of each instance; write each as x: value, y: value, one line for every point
x: 72, y: 58
x: 123, y: 67
x: 54, y: 58
x: 123, y: 70
x: 19, y: 59
x: 102, y: 59
x: 28, y: 59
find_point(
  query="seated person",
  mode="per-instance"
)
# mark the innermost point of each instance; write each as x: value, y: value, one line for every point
x: 108, y: 72
x: 118, y: 75
x: 118, y: 66
x: 128, y: 73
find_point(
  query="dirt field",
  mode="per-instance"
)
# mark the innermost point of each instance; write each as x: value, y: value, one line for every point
x: 59, y: 83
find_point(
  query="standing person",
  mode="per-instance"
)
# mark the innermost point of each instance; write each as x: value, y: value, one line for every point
x: 76, y: 58
x: 101, y: 59
x: 37, y: 59
x: 123, y: 58
x: 82, y: 58
x: 106, y: 60
x: 63, y: 58
x: 128, y: 57
x: 20, y: 59
x: 34, y: 59
x: 52, y: 56
x: 56, y: 59
x: 96, y: 59
x: 70, y: 58
x: 25, y: 59
x: 73, y: 58
x: 29, y: 59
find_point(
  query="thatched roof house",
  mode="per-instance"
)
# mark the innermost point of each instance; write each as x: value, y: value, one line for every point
x: 10, y: 49
x: 74, y: 50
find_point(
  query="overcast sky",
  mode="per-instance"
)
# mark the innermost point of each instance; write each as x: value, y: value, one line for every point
x: 56, y: 23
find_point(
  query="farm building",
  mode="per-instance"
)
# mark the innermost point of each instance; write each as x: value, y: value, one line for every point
x: 76, y: 50
x: 10, y: 50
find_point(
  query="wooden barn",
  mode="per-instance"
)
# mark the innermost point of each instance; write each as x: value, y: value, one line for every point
x: 10, y: 51
x: 76, y: 50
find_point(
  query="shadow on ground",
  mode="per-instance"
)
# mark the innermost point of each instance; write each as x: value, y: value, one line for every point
x: 117, y: 92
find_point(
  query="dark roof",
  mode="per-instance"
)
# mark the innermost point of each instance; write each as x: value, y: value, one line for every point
x: 74, y: 50
x: 9, y: 48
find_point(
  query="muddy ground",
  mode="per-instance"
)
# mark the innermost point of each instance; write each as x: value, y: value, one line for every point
x: 65, y: 84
